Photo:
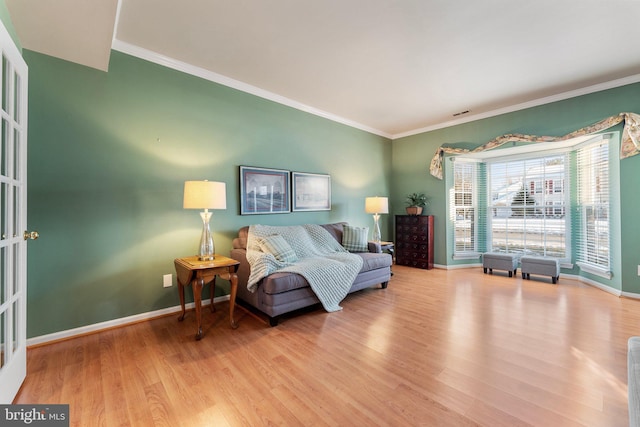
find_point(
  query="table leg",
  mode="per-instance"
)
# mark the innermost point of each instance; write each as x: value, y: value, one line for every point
x: 232, y: 298
x: 212, y: 289
x: 198, y: 284
x: 181, y: 294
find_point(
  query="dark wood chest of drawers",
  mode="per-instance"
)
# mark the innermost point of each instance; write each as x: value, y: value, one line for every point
x: 414, y: 241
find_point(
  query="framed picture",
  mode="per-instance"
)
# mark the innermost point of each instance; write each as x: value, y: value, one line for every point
x: 311, y: 192
x: 264, y: 191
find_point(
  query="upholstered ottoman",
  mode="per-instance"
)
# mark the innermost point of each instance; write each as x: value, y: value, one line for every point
x: 499, y: 261
x: 542, y: 266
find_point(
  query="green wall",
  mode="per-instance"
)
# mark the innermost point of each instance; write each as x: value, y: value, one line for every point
x: 108, y: 157
x: 109, y: 152
x: 412, y: 154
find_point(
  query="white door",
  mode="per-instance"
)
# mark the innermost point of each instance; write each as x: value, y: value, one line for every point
x: 13, y: 218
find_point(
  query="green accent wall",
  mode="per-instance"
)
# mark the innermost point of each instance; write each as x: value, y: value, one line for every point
x: 109, y: 153
x: 412, y: 154
x: 108, y: 157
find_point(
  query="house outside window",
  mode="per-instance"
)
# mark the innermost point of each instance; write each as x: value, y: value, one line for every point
x: 522, y: 221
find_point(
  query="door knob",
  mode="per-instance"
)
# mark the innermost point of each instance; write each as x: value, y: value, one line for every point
x: 33, y: 235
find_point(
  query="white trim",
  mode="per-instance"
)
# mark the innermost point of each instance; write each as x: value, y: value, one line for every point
x: 535, y: 103
x: 588, y: 268
x: 193, y: 70
x: 460, y: 266
x: 96, y: 327
x: 184, y: 67
x: 527, y: 151
x: 630, y: 295
x: 13, y: 349
x: 585, y: 280
x: 116, y: 22
x: 463, y: 158
x: 123, y: 321
x: 601, y: 286
x: 466, y: 255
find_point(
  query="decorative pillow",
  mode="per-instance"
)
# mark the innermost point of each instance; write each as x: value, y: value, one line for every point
x: 278, y: 247
x: 354, y: 239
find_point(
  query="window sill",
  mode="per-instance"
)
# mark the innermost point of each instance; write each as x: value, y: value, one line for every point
x: 468, y: 255
x: 588, y: 268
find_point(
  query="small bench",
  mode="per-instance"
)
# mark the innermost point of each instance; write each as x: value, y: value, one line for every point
x: 499, y: 261
x: 542, y: 266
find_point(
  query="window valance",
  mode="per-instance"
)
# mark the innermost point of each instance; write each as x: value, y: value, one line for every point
x: 630, y: 145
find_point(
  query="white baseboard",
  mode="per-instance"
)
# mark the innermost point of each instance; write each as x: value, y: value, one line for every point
x: 630, y: 295
x: 458, y: 266
x: 602, y: 287
x: 83, y: 330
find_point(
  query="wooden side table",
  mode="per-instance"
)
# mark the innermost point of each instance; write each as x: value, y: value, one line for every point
x: 191, y: 271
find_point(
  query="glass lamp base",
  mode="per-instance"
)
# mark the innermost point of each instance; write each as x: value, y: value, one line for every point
x: 377, y: 237
x: 207, y: 249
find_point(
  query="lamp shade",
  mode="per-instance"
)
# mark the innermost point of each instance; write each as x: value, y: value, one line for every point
x: 379, y: 205
x: 205, y: 195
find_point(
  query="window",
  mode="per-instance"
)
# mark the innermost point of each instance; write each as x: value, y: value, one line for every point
x: 522, y: 203
x: 593, y: 207
x: 526, y: 219
x: 464, y: 209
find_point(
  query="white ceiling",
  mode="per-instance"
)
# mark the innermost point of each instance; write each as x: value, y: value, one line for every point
x: 392, y: 67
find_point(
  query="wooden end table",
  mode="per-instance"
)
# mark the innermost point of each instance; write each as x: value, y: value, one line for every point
x: 191, y: 271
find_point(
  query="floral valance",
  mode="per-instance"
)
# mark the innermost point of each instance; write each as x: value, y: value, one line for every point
x: 630, y: 145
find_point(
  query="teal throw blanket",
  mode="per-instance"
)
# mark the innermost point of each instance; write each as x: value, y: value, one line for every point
x: 322, y: 261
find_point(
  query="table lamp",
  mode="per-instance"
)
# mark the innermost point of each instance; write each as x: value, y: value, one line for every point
x: 205, y: 195
x: 376, y: 206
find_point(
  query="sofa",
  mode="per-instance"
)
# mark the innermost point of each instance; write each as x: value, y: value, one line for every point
x: 284, y: 292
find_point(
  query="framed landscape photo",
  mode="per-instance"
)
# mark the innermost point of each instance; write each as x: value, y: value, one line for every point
x: 264, y: 191
x: 311, y: 191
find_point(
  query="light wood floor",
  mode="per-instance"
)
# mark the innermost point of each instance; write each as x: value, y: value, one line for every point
x: 445, y: 348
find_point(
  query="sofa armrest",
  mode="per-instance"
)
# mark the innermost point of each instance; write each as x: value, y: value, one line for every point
x: 375, y: 248
x: 244, y: 269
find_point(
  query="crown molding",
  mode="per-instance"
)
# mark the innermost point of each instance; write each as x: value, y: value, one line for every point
x: 535, y: 103
x: 184, y: 67
x: 177, y: 65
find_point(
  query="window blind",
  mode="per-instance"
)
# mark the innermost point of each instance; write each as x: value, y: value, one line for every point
x: 593, y: 230
x: 527, y: 201
x: 464, y: 209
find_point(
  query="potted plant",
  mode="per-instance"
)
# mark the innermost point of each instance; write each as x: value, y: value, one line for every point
x: 415, y: 203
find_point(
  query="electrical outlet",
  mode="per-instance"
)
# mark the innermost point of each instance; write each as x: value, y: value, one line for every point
x: 167, y: 280
x: 639, y: 270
